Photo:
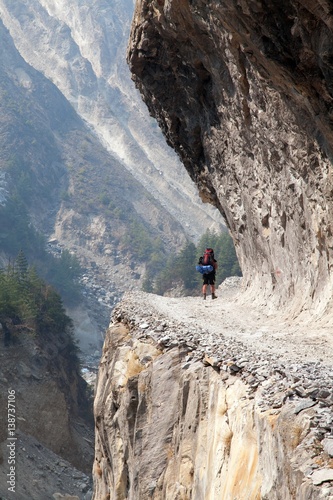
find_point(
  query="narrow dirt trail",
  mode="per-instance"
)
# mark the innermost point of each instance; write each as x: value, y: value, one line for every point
x: 230, y: 316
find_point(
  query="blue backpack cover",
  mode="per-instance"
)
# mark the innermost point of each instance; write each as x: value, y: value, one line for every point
x: 204, y: 269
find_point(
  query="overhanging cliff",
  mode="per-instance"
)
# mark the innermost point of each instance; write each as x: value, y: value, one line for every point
x: 243, y: 92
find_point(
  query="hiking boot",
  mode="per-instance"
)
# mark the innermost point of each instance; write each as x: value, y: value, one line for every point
x: 214, y: 296
x: 204, y: 296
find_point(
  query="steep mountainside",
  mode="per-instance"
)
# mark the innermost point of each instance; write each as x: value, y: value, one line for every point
x: 46, y: 401
x: 232, y: 399
x: 250, y: 114
x: 81, y: 47
x: 72, y: 188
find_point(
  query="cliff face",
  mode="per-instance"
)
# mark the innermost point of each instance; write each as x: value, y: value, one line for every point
x: 243, y: 92
x: 185, y: 413
x: 51, y: 412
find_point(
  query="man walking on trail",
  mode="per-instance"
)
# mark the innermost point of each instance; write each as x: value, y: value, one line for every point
x: 209, y: 278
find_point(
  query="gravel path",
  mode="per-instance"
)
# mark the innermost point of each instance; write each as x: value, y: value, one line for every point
x: 229, y: 316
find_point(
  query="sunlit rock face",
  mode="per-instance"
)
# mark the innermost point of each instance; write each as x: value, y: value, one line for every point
x: 243, y: 92
x: 172, y: 423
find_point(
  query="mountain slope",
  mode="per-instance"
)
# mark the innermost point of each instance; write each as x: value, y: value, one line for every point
x: 58, y: 176
x: 81, y: 48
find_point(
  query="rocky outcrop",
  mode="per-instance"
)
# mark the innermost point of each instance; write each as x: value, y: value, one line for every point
x: 48, y: 405
x: 243, y: 92
x: 182, y: 414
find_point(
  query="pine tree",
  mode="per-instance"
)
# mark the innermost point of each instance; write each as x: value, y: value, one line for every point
x: 21, y: 265
x: 186, y: 266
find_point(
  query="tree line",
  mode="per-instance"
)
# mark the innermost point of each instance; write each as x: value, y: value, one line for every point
x: 29, y: 304
x: 18, y: 233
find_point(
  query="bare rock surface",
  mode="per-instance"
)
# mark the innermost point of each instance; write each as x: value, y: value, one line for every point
x: 42, y: 474
x: 46, y: 432
x: 81, y: 47
x: 189, y: 391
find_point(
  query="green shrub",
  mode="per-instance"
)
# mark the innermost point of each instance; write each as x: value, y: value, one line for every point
x: 27, y: 300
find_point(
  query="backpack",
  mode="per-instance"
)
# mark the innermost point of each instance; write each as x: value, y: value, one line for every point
x: 206, y: 262
x: 208, y: 257
x: 204, y: 269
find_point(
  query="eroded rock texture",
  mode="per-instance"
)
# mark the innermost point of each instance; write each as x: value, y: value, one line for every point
x: 242, y: 90
x: 172, y: 424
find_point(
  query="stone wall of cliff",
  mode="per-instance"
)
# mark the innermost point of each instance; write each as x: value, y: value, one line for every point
x: 243, y: 92
x: 51, y: 398
x: 174, y: 420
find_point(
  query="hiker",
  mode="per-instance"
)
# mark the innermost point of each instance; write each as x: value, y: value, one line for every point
x: 208, y: 278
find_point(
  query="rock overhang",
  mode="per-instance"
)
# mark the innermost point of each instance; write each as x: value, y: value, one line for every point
x: 242, y: 92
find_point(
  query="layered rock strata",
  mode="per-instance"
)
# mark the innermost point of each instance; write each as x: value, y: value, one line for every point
x: 243, y: 92
x: 183, y: 415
